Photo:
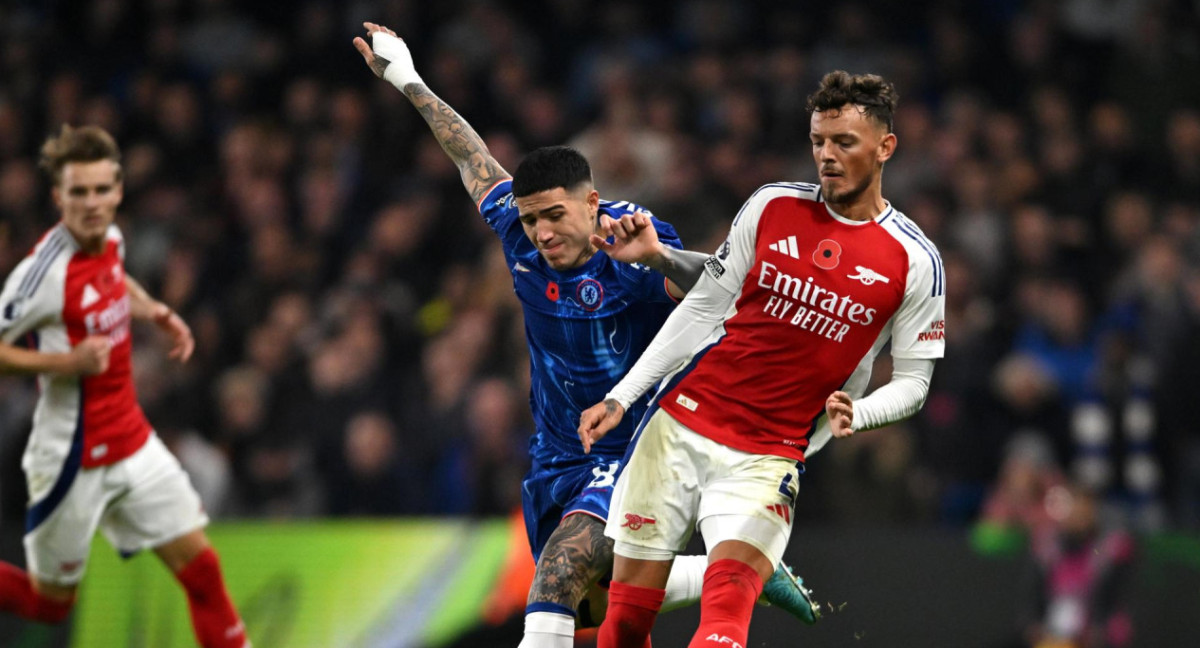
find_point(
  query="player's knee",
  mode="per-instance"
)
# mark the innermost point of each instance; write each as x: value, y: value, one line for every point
x: 566, y: 575
x: 560, y: 584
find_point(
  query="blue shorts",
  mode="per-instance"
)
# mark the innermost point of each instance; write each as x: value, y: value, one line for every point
x: 559, y: 485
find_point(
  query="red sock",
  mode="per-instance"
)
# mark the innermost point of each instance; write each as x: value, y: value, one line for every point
x: 18, y: 597
x: 214, y: 620
x: 631, y: 614
x: 730, y: 589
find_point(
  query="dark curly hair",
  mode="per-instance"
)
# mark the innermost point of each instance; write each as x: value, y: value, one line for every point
x: 872, y: 93
x: 83, y: 144
x: 551, y: 167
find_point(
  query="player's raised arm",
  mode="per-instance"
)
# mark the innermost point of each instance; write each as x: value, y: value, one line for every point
x: 390, y: 60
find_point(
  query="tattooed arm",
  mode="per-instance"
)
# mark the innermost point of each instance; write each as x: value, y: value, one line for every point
x: 479, y: 170
x: 390, y: 59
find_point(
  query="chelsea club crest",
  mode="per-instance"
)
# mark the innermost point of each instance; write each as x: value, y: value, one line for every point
x: 590, y: 294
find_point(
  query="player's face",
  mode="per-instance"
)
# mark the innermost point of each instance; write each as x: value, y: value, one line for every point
x: 87, y: 197
x: 560, y: 223
x: 849, y: 148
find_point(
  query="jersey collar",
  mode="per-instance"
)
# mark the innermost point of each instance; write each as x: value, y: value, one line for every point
x: 887, y: 211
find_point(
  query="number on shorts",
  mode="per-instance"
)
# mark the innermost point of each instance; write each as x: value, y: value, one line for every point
x: 605, y: 478
x: 783, y: 488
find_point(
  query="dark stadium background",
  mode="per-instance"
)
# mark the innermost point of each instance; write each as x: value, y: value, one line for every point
x: 360, y: 352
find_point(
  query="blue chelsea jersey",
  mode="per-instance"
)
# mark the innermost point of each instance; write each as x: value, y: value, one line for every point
x: 585, y: 326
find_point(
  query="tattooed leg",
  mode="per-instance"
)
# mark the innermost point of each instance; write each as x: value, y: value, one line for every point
x: 576, y: 556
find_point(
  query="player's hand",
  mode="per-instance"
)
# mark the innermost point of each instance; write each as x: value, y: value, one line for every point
x: 387, y: 56
x: 634, y: 238
x: 90, y: 357
x: 182, y: 342
x: 840, y: 408
x: 597, y: 420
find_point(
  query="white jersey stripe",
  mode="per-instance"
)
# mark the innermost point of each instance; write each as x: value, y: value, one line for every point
x: 920, y: 235
x: 41, y: 263
x: 908, y: 229
x: 937, y: 257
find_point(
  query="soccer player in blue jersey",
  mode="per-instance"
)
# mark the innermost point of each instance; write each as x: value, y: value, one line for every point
x: 591, y: 307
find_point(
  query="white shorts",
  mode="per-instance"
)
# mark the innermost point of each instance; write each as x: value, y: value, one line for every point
x: 677, y: 480
x: 141, y: 502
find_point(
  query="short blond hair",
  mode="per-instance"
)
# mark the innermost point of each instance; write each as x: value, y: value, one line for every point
x: 83, y: 144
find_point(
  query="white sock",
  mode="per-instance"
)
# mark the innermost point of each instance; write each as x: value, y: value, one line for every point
x: 685, y: 582
x: 548, y: 630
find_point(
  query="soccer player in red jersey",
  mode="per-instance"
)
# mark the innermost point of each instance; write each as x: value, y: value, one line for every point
x: 766, y: 358
x: 550, y: 221
x: 92, y: 459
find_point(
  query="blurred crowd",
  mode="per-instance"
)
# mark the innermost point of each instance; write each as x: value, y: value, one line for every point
x: 359, y: 348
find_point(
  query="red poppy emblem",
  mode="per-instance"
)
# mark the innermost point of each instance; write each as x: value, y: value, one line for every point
x: 828, y: 254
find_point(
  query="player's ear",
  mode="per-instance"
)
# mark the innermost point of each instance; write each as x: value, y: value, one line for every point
x: 887, y: 148
x: 593, y: 202
x: 119, y: 182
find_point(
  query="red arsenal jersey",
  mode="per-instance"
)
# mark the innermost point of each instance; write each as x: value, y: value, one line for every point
x: 812, y: 298
x: 59, y: 295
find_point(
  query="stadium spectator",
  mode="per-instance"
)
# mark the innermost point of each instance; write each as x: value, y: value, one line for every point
x: 1078, y: 580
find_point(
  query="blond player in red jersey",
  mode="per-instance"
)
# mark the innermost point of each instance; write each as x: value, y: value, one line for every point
x: 93, y: 461
x: 765, y: 360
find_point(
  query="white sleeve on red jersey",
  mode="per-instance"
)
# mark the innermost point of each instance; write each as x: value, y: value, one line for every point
x: 899, y: 399
x: 734, y: 259
x: 919, y: 325
x: 693, y: 322
x: 32, y: 294
x: 698, y: 319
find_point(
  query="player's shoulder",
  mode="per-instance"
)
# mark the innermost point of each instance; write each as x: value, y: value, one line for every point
x: 621, y: 207
x: 498, y: 206
x: 922, y: 252
x: 801, y: 190
x: 498, y: 197
x: 34, y: 278
x: 54, y: 245
x: 758, y: 200
x: 617, y: 208
x: 907, y: 232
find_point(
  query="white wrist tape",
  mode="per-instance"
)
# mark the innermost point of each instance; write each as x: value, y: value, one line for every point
x: 400, y: 70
